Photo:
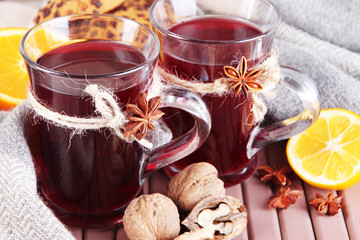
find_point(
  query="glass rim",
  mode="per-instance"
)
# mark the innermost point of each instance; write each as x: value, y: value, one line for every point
x: 35, y: 65
x: 201, y: 41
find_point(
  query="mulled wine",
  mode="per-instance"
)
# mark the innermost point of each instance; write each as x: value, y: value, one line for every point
x: 231, y: 116
x: 86, y: 168
x: 198, y: 39
x: 89, y: 176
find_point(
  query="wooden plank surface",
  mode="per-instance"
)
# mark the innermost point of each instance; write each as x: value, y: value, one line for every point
x: 326, y: 227
x: 299, y: 221
x: 295, y: 222
x: 351, y: 210
x: 256, y: 195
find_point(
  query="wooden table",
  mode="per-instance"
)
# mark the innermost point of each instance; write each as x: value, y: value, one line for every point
x: 299, y: 221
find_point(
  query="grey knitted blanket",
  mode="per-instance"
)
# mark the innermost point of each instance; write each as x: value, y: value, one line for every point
x: 320, y: 38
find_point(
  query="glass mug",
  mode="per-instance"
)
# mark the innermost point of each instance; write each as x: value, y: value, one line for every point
x: 198, y: 38
x: 88, y: 179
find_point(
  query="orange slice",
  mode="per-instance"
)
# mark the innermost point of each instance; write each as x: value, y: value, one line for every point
x: 13, y: 75
x: 327, y: 155
x: 43, y: 40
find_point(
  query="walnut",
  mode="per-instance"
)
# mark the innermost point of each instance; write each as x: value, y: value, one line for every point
x: 151, y: 217
x: 194, y: 183
x: 215, y: 217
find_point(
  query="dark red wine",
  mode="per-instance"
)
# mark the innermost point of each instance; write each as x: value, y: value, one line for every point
x: 92, y: 58
x: 215, y: 29
x: 231, y: 116
x: 87, y: 179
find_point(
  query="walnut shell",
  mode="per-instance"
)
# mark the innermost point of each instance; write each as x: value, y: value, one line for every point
x: 194, y: 183
x: 151, y: 217
x: 224, y: 217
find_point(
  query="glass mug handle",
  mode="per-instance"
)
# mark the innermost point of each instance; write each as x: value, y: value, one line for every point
x: 182, y: 146
x: 305, y: 89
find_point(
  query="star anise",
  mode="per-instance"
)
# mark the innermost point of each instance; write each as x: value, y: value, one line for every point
x: 278, y: 177
x: 327, y: 205
x: 141, y: 116
x: 284, y: 198
x: 240, y: 79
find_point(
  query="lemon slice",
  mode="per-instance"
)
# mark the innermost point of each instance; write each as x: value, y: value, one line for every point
x: 327, y: 155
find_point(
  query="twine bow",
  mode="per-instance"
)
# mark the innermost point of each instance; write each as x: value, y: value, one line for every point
x: 267, y: 75
x: 106, y: 106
